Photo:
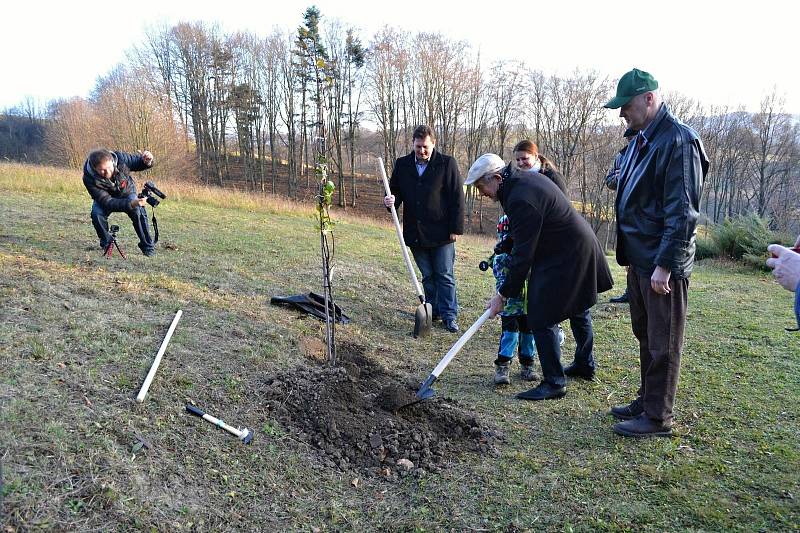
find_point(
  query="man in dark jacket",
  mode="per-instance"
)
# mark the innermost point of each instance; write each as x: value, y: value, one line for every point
x: 658, y: 199
x: 555, y: 249
x: 429, y: 185
x: 106, y: 177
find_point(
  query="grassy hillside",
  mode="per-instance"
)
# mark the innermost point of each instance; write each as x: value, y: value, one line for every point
x: 78, y: 334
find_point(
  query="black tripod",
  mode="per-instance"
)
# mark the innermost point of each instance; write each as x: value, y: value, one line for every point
x: 113, y: 243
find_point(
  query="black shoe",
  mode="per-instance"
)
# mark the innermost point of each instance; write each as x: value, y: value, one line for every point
x: 435, y: 317
x: 626, y: 412
x: 642, y: 426
x: 149, y: 253
x: 579, y: 371
x: 621, y: 299
x: 450, y: 325
x: 543, y: 391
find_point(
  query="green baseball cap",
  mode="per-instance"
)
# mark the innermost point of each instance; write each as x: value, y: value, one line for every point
x: 632, y: 83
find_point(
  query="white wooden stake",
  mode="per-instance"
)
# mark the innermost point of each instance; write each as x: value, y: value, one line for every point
x: 150, y: 375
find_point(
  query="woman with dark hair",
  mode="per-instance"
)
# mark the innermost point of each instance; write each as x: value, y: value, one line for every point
x: 527, y: 157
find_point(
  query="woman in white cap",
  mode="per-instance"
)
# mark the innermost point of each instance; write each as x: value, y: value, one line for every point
x: 527, y: 157
x: 555, y: 249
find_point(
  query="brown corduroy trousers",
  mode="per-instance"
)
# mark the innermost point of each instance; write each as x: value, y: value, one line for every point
x: 658, y: 322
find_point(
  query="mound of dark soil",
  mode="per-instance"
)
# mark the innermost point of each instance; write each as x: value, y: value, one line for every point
x: 349, y: 416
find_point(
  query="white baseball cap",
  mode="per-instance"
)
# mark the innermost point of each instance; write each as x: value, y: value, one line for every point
x: 484, y: 165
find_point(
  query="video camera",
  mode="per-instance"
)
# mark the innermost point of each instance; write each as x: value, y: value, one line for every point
x: 149, y: 190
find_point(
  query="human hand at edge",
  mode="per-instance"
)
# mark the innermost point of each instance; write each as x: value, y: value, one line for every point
x: 659, y: 281
x: 785, y: 266
x: 147, y: 157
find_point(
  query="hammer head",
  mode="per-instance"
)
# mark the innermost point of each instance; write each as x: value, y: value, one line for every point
x: 247, y: 436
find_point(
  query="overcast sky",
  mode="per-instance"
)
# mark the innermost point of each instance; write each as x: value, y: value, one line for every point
x: 724, y: 53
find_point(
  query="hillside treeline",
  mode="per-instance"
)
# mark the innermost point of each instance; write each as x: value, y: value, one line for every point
x: 261, y: 110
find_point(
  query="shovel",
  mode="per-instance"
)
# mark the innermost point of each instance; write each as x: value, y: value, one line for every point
x: 426, y: 391
x: 423, y: 317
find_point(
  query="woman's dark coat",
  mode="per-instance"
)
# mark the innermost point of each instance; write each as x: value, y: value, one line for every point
x: 554, y: 248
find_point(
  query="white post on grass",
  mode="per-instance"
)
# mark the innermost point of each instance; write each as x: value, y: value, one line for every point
x: 150, y: 375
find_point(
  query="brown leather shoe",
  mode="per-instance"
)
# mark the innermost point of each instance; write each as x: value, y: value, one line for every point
x: 626, y: 412
x: 642, y: 426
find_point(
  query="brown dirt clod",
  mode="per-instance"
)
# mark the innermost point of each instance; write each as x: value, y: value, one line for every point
x: 350, y: 417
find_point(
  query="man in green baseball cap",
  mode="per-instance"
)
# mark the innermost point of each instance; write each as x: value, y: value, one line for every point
x: 632, y: 83
x: 638, y: 99
x: 659, y: 187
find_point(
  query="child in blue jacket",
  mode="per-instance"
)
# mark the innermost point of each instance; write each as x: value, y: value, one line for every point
x: 515, y: 333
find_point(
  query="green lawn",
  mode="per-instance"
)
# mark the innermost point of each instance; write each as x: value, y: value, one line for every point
x: 78, y: 334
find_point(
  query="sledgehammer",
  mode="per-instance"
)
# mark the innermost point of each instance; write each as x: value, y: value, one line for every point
x: 245, y: 435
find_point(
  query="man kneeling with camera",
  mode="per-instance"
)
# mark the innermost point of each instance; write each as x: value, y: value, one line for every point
x: 106, y: 175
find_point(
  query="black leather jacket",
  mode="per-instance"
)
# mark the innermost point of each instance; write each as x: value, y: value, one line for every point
x: 658, y: 199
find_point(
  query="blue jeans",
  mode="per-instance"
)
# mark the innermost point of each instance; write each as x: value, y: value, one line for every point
x: 515, y: 333
x: 138, y: 216
x: 438, y: 281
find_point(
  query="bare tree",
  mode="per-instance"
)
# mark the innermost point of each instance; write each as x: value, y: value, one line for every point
x: 288, y: 113
x: 772, y: 147
x: 386, y: 65
x: 354, y: 84
x: 506, y: 96
x: 346, y: 58
x: 130, y: 116
x: 71, y: 134
x: 570, y: 109
x: 478, y: 135
x: 273, y: 54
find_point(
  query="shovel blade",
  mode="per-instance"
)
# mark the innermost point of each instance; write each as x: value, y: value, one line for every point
x: 426, y: 391
x: 423, y: 320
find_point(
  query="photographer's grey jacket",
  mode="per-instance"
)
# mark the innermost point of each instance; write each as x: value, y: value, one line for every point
x: 658, y: 198
x: 434, y: 201
x: 114, y: 194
